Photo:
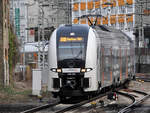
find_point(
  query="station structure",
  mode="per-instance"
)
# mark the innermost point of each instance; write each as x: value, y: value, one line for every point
x: 130, y: 16
x: 116, y: 13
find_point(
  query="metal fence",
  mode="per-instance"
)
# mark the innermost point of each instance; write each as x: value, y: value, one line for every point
x: 142, y: 60
x: 142, y: 55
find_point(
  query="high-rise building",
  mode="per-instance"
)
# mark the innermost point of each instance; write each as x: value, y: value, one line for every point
x: 142, y: 20
x: 130, y: 16
x: 116, y: 13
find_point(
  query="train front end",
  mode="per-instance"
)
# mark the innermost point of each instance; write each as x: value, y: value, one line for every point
x: 72, y: 66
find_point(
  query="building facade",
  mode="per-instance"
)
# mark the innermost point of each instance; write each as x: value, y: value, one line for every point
x: 130, y: 16
x: 116, y: 13
x: 142, y: 26
x: 18, y: 18
x: 33, y: 20
x: 27, y: 14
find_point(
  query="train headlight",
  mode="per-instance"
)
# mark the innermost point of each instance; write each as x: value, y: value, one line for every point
x: 56, y: 70
x: 83, y: 70
x: 53, y: 69
x: 86, y: 70
x: 59, y: 70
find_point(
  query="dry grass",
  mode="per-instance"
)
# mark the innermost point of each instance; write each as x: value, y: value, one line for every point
x: 18, y: 93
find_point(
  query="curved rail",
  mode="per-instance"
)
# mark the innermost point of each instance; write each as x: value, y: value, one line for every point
x: 40, y: 108
x: 145, y: 79
x: 140, y: 92
x: 135, y: 103
x: 73, y: 107
x: 127, y: 95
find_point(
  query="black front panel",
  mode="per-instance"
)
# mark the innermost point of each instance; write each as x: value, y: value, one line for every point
x: 56, y: 83
x: 71, y: 46
x: 86, y: 83
x: 72, y: 83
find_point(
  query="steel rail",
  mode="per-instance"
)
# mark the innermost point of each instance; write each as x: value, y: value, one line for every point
x: 39, y: 108
x: 139, y: 92
x: 136, y: 91
x: 127, y: 95
x: 145, y: 79
x: 73, y: 107
x: 126, y: 109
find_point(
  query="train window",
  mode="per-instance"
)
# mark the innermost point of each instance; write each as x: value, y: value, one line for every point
x: 123, y: 61
x: 107, y: 63
x: 115, y: 56
x: 69, y: 50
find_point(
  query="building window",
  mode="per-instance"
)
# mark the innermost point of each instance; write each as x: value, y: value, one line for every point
x: 121, y: 26
x: 53, y: 19
x: 122, y: 9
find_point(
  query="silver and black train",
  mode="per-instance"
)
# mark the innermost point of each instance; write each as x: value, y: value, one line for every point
x: 84, y: 60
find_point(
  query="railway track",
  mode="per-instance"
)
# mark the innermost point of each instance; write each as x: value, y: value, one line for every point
x: 114, y: 106
x: 145, y: 79
x: 76, y: 106
x: 73, y: 107
x: 111, y: 105
x: 39, y: 108
x: 127, y: 95
x: 59, y: 108
x: 136, y: 102
x: 70, y: 108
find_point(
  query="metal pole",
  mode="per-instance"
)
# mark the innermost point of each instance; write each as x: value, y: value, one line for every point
x: 43, y: 39
x: 57, y: 19
x: 141, y: 29
x: 39, y: 54
x: 24, y: 78
x: 27, y: 23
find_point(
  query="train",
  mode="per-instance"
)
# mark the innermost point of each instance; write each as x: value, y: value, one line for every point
x: 83, y: 59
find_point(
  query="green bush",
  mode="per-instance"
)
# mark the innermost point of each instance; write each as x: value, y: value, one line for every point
x: 13, y: 54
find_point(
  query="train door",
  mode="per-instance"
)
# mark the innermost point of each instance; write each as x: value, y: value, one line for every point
x: 116, y: 66
x: 106, y: 66
x: 123, y: 56
x: 120, y: 63
x: 127, y: 62
x: 132, y: 61
x: 98, y: 65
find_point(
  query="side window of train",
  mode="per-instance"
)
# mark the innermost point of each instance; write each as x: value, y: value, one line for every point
x: 128, y: 57
x: 113, y: 57
x: 123, y: 60
x: 98, y: 53
x: 95, y: 33
x: 102, y: 56
x: 107, y: 58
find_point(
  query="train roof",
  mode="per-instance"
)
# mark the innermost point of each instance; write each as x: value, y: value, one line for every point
x: 80, y: 28
x: 111, y: 33
x: 102, y: 30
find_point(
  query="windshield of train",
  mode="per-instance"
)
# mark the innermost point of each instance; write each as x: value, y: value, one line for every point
x: 71, y: 48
